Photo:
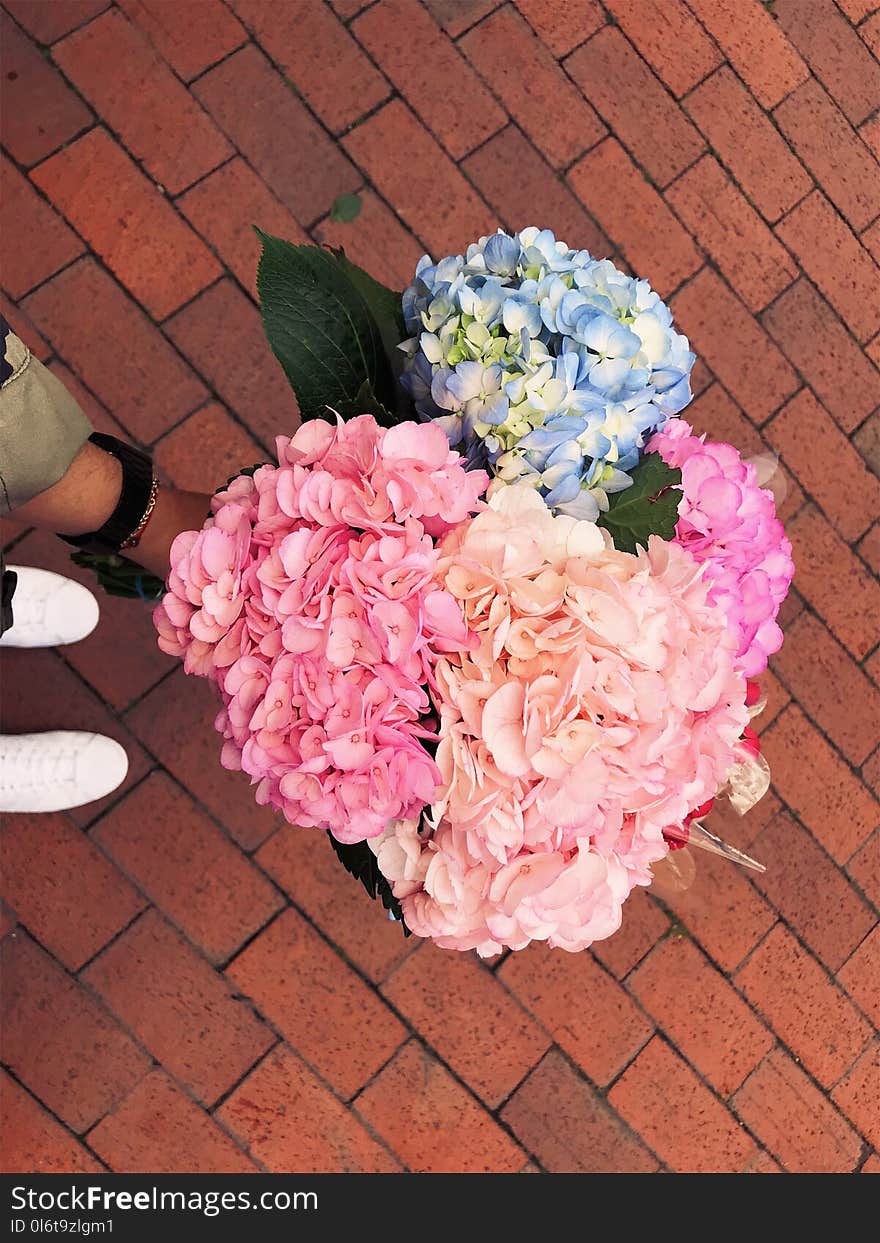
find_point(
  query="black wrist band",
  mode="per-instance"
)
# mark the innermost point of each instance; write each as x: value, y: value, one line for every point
x: 134, y: 497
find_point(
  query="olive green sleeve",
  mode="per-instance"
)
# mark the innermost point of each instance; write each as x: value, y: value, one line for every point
x: 42, y: 428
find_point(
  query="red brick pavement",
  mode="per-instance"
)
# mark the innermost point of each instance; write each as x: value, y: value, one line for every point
x: 189, y: 985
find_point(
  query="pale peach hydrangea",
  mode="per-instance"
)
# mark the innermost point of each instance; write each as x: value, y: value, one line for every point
x: 601, y: 704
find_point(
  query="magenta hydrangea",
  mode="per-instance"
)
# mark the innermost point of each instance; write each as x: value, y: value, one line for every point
x: 729, y: 524
x: 312, y: 599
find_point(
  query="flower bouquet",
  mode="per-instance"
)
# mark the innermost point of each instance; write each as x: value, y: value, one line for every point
x: 491, y: 619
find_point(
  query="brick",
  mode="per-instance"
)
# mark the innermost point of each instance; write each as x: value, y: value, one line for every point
x: 59, y: 1041
x: 847, y: 600
x: 149, y: 388
x: 871, y: 770
x: 8, y: 919
x: 830, y: 254
x: 187, y: 867
x: 276, y: 133
x: 858, y: 1093
x: 431, y: 1122
x: 732, y: 232
x: 348, y: 8
x: 715, y: 414
x: 811, y: 336
x: 857, y: 9
x: 128, y: 223
x: 562, y: 24
x: 512, y: 176
x: 720, y: 328
x: 119, y: 674
x: 159, y: 1130
x: 33, y: 1141
x: 864, y: 867
x: 809, y: 892
x: 23, y: 328
x: 460, y: 1007
x: 776, y: 696
x: 225, y: 206
x: 755, y: 45
x: 872, y: 1165
x: 601, y: 1037
x: 860, y: 976
x: 456, y: 16
x: 722, y: 910
x: 192, y: 35
x: 643, y: 925
x: 818, y: 786
x: 851, y: 507
x: 48, y: 22
x: 303, y: 39
x: 869, y: 548
x: 795, y: 1120
x: 675, y: 1113
x: 38, y: 110
x: 871, y: 239
x: 703, y: 1016
x: 791, y: 607
x: 824, y: 140
x: 872, y: 666
x: 181, y: 1010
x: 304, y: 864
x: 830, y: 686
x: 221, y: 333
x: 870, y: 135
x: 65, y: 891
x: 806, y: 1009
x: 532, y: 86
x: 426, y: 189
x: 37, y: 242
x: 635, y: 105
x: 201, y: 453
x: 289, y: 1120
x: 134, y: 91
x: 867, y: 441
x: 566, y: 1124
x: 701, y: 377
x: 670, y: 39
x: 403, y: 38
x: 376, y: 240
x: 835, y: 53
x: 748, y: 144
x: 326, y: 1012
x: 634, y: 216
x: 71, y: 705
x: 175, y: 722
x: 102, y: 421
x: 870, y: 32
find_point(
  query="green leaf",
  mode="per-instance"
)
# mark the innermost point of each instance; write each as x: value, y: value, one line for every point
x: 386, y: 308
x: 649, y: 506
x: 366, y: 402
x: 121, y: 577
x: 346, y: 207
x: 361, y: 863
x: 321, y: 328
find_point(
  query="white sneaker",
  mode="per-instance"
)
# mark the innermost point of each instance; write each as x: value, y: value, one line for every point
x: 58, y: 770
x: 49, y: 610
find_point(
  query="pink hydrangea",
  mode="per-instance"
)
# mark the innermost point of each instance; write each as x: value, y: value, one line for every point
x: 313, y: 599
x: 729, y: 524
x: 600, y: 704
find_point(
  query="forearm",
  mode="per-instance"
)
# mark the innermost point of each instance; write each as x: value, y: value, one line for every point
x: 86, y: 495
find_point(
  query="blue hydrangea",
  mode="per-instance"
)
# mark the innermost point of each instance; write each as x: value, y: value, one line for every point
x: 545, y: 364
